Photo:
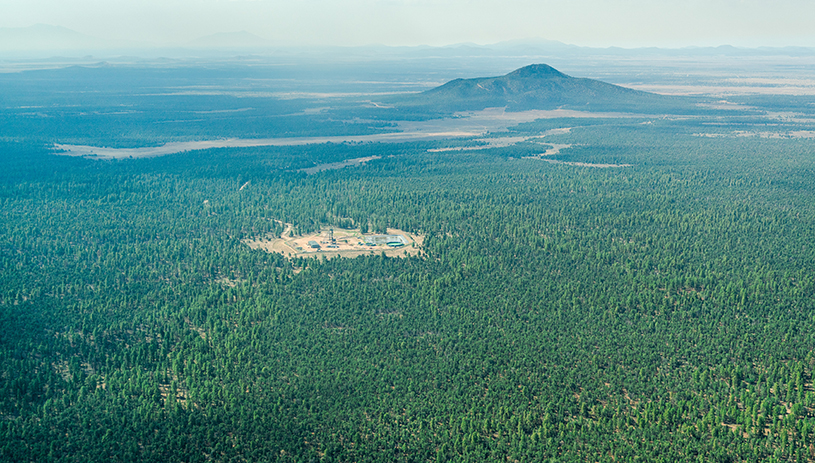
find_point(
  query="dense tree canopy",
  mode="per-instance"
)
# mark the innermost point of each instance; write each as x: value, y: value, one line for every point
x: 659, y: 312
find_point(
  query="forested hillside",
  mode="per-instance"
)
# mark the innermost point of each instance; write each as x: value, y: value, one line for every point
x: 658, y: 312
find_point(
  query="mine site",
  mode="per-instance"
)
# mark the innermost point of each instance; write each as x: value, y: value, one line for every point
x: 333, y: 242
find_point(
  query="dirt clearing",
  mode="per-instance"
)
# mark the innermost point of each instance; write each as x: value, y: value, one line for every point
x: 328, y: 243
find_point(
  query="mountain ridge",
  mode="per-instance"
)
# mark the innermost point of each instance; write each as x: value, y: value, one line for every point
x: 540, y: 86
x: 44, y: 36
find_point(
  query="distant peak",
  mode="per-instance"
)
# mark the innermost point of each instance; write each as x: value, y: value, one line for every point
x: 536, y: 70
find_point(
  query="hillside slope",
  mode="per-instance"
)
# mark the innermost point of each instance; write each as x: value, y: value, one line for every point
x: 540, y: 86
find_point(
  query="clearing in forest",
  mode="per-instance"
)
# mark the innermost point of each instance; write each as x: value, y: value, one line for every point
x: 332, y: 242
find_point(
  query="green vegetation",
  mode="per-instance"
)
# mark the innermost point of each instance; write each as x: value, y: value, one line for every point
x: 659, y: 312
x: 122, y: 107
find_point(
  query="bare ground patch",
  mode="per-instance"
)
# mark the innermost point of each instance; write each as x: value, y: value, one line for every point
x: 552, y: 151
x: 586, y: 164
x: 338, y: 165
x: 794, y: 134
x: 345, y: 243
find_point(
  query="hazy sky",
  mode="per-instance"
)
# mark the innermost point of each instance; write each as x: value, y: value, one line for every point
x: 627, y: 23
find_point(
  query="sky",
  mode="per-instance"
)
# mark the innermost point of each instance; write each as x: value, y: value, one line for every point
x: 602, y: 23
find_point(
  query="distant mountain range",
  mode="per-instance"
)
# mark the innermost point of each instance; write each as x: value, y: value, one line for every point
x: 540, y: 86
x: 44, y: 37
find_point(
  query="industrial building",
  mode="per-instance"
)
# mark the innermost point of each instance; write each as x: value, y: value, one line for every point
x: 393, y: 241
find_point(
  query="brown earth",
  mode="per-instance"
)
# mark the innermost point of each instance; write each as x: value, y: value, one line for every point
x: 349, y: 243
